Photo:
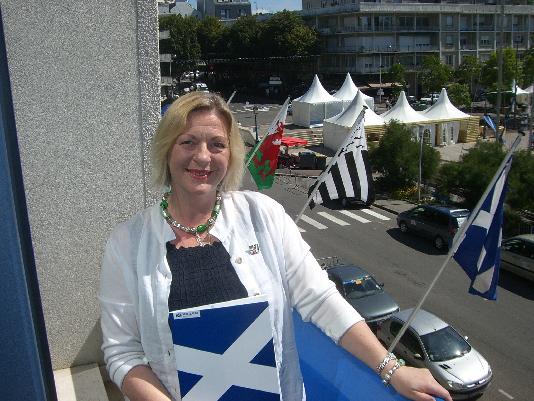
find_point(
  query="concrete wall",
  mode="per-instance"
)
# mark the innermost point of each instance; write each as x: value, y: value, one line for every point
x: 85, y: 83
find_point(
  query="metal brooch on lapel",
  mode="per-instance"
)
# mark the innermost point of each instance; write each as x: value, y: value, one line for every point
x: 254, y: 249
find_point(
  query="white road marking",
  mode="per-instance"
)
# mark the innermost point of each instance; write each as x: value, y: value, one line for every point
x: 505, y: 394
x: 375, y: 214
x: 334, y: 219
x: 313, y: 222
x: 301, y: 230
x: 354, y: 216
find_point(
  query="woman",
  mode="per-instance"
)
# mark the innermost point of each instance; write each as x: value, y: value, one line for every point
x: 209, y: 243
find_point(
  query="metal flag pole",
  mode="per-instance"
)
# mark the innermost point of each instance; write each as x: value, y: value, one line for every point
x: 276, y: 118
x: 456, y: 241
x: 231, y: 97
x: 332, y: 161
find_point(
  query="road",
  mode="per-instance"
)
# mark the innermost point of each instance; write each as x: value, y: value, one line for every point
x: 502, y: 331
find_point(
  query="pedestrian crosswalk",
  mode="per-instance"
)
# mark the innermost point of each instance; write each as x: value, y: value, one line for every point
x: 322, y: 220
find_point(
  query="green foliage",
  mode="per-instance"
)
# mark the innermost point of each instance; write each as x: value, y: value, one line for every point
x: 459, y: 94
x: 286, y: 34
x: 521, y: 180
x: 397, y: 158
x: 434, y: 74
x: 489, y: 72
x: 397, y: 76
x: 470, y: 177
x: 468, y: 72
x: 244, y: 37
x: 183, y: 41
x: 528, y: 67
x: 210, y: 36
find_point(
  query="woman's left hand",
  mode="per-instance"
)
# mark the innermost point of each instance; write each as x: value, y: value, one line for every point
x: 417, y: 384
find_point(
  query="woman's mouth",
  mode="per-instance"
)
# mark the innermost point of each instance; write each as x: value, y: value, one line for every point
x: 199, y: 174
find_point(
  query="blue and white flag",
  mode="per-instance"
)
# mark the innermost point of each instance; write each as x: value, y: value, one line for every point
x: 479, y: 251
x: 490, y: 122
x: 225, y: 351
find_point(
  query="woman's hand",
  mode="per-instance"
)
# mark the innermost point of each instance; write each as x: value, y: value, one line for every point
x: 416, y: 384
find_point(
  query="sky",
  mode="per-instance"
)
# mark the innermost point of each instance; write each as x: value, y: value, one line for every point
x: 269, y: 5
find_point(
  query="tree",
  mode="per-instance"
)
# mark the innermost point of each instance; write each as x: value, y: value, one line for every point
x: 489, y: 73
x: 244, y: 38
x: 528, y: 68
x: 397, y: 158
x: 472, y: 174
x: 521, y: 193
x: 434, y: 74
x: 397, y: 76
x: 183, y: 41
x: 210, y: 35
x: 286, y: 34
x: 459, y: 94
x: 468, y: 72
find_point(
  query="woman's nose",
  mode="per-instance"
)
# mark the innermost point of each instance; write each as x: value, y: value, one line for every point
x: 202, y: 152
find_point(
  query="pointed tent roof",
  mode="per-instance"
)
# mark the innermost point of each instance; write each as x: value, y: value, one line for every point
x: 316, y: 93
x: 443, y: 109
x: 347, y: 117
x: 403, y: 112
x: 519, y: 90
x: 530, y: 89
x: 348, y: 90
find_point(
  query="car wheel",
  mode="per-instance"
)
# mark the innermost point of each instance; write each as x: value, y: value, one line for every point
x: 403, y: 227
x: 439, y: 243
x: 344, y: 202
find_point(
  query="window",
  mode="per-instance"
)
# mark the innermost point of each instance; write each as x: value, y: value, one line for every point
x: 449, y: 59
x: 484, y: 40
x: 448, y: 40
x: 448, y: 21
x: 409, y: 340
x: 451, y: 131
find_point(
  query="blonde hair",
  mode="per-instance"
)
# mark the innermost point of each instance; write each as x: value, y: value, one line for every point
x: 173, y: 124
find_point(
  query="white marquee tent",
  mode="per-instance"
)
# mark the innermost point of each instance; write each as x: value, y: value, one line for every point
x: 446, y: 118
x: 314, y: 106
x: 348, y: 91
x: 404, y: 113
x: 336, y: 129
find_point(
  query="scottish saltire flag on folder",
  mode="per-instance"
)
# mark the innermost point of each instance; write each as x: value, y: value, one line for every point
x: 225, y: 351
x: 479, y: 251
x: 349, y: 174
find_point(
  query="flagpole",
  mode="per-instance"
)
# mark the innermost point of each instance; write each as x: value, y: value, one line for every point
x: 231, y: 97
x: 456, y: 241
x: 265, y: 136
x: 327, y: 169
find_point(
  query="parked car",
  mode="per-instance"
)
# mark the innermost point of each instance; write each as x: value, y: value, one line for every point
x: 437, y: 222
x: 431, y: 98
x: 432, y: 343
x: 363, y: 292
x: 517, y: 255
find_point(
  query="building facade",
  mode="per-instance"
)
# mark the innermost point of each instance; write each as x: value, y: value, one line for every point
x: 224, y: 10
x: 367, y: 37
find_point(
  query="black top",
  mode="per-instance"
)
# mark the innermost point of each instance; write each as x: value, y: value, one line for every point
x: 202, y: 275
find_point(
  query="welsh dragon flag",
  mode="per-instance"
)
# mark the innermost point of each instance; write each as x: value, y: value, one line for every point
x: 263, y: 159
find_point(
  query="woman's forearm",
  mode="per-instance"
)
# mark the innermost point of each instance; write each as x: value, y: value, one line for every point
x: 141, y: 384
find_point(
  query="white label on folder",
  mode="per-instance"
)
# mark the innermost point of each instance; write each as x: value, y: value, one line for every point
x: 186, y: 315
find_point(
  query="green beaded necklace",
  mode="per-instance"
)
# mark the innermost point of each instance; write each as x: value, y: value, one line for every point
x: 196, y: 231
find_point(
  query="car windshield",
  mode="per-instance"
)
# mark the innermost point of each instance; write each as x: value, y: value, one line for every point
x: 445, y: 344
x: 361, y: 287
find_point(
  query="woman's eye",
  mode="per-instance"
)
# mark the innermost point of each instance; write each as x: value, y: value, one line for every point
x: 220, y: 145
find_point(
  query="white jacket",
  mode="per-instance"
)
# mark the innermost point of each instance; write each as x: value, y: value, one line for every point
x: 135, y: 282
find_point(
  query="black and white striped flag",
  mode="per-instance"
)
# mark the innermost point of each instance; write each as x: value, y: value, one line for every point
x: 349, y: 174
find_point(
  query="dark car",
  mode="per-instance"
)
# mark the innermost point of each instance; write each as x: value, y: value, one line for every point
x: 436, y: 222
x: 363, y: 292
x: 431, y: 343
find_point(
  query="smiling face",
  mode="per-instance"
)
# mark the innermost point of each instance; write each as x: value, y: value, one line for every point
x: 199, y: 159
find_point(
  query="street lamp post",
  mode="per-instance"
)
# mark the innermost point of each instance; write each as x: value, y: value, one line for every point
x: 420, y: 164
x: 380, y: 78
x: 255, y: 110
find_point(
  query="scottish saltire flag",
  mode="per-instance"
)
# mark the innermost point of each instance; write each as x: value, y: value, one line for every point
x: 349, y: 174
x: 263, y: 160
x: 479, y: 251
x: 225, y: 352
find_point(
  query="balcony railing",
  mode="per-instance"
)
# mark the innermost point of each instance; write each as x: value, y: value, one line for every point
x: 371, y: 50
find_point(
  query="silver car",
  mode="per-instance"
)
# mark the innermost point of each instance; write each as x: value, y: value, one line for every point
x: 430, y: 342
x: 517, y: 255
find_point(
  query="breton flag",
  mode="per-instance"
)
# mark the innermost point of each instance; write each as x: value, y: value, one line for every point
x: 263, y: 159
x: 478, y: 252
x: 349, y: 173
